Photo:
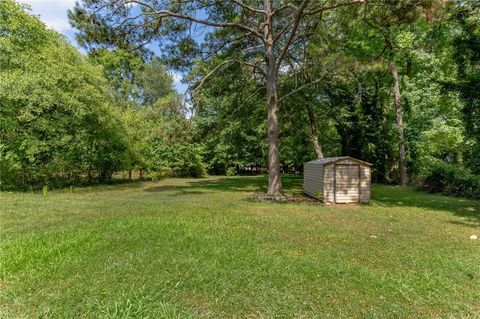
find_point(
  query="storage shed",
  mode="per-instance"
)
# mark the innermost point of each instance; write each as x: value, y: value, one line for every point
x: 338, y: 180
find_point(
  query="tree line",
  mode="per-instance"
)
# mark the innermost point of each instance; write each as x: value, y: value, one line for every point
x: 71, y: 119
x: 272, y: 85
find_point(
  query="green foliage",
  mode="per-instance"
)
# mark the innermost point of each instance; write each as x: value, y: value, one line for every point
x: 173, y: 149
x: 351, y: 56
x: 122, y: 70
x: 357, y: 90
x: 230, y: 120
x: 452, y: 180
x: 68, y: 119
x: 156, y: 82
x: 151, y: 114
x: 45, y: 190
x: 466, y: 55
x: 231, y: 171
x: 177, y: 159
x: 56, y: 121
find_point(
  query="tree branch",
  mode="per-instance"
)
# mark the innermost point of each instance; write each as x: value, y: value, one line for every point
x: 300, y: 88
x: 296, y: 22
x: 321, y: 8
x: 218, y: 67
x: 251, y: 9
x: 256, y: 67
x: 283, y: 7
x: 166, y: 13
x: 215, y: 69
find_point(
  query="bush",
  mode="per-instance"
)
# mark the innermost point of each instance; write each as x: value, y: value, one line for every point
x: 452, y: 180
x: 177, y: 160
x: 231, y: 171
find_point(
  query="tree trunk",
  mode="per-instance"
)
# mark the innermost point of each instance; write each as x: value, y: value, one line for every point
x: 90, y: 178
x: 274, y: 176
x: 400, y: 127
x: 314, y: 132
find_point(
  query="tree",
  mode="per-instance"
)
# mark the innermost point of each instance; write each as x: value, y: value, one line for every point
x: 388, y: 20
x: 56, y: 123
x: 122, y: 68
x: 156, y: 82
x: 466, y: 55
x: 261, y: 35
x: 141, y: 89
x: 357, y: 93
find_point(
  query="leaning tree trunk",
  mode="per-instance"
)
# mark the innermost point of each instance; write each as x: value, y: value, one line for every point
x: 274, y: 177
x: 400, y: 127
x: 314, y: 132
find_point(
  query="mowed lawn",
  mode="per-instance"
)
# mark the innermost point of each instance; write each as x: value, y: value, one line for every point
x: 185, y: 248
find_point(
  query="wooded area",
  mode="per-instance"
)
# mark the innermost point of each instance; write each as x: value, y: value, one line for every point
x: 123, y: 196
x: 272, y: 86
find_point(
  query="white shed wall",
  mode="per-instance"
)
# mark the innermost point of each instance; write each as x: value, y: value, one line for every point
x: 312, y: 179
x: 347, y: 183
x: 365, y: 184
x: 328, y: 184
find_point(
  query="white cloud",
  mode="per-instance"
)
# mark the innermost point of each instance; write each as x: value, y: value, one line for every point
x: 59, y: 25
x: 52, y: 12
x: 177, y: 77
x: 52, y: 4
x: 177, y: 82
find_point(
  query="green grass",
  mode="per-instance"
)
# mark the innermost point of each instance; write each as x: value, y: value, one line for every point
x: 206, y: 248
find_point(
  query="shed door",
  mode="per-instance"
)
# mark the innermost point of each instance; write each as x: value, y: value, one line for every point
x: 347, y: 183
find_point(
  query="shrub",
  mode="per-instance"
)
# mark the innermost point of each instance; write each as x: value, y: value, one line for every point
x: 231, y: 171
x: 177, y: 160
x: 452, y: 180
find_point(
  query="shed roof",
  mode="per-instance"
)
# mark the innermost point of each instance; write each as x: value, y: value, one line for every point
x: 331, y: 160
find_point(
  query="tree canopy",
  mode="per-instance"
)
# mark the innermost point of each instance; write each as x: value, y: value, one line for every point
x: 271, y: 86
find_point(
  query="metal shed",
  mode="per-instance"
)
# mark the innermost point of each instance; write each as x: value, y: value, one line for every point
x: 338, y: 180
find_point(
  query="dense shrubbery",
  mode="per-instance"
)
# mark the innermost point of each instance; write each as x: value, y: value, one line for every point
x: 68, y: 119
x: 57, y: 126
x: 452, y: 180
x: 177, y: 159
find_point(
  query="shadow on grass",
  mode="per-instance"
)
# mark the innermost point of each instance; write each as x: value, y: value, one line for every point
x: 465, y: 223
x: 383, y: 195
x: 223, y: 184
x: 256, y: 184
x: 395, y: 196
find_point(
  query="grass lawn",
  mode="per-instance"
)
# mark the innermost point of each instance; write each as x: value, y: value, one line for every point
x: 183, y: 248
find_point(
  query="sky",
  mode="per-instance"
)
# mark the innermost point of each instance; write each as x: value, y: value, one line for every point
x: 54, y: 14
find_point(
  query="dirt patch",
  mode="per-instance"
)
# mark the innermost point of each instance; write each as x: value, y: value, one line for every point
x: 302, y: 199
x: 288, y: 199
